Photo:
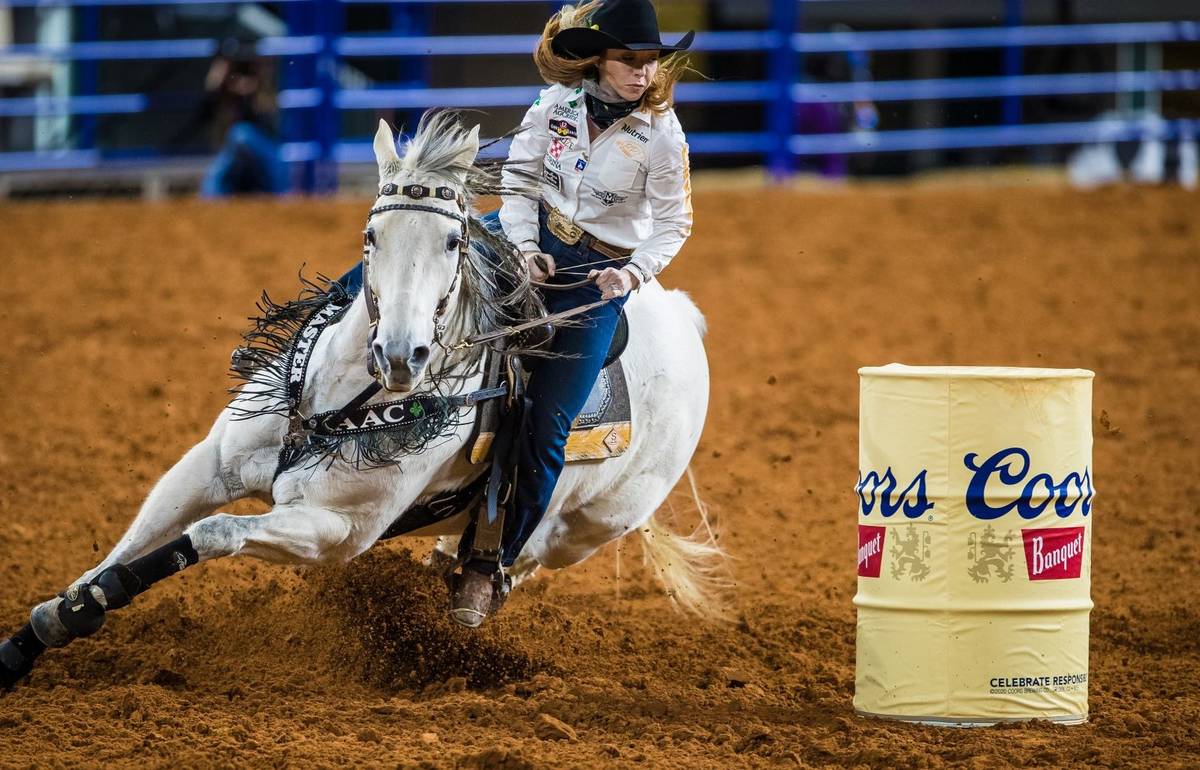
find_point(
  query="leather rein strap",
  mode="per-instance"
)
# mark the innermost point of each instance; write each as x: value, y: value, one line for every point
x: 357, y: 417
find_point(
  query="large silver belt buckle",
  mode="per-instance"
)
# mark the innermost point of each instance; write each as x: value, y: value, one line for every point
x: 563, y: 229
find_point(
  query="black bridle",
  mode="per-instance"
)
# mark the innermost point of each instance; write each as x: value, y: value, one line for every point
x: 331, y: 426
x: 415, y: 192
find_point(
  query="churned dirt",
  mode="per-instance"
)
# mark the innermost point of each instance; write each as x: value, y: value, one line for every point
x: 117, y: 319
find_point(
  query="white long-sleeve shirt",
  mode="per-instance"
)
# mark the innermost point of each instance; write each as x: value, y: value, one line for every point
x: 630, y: 187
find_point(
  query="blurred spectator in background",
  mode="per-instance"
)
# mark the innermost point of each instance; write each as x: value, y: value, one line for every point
x: 835, y: 118
x: 239, y: 111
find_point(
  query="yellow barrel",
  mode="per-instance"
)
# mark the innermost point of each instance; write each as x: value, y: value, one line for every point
x: 974, y: 544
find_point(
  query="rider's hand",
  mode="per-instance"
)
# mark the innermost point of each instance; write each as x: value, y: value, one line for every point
x: 541, y: 265
x: 614, y: 283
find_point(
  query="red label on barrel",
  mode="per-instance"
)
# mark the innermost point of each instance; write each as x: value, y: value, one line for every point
x: 1053, y: 554
x: 870, y: 550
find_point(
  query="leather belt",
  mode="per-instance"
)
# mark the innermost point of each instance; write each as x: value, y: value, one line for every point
x: 570, y: 233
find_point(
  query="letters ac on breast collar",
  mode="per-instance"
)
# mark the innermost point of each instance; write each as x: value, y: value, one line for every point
x: 415, y: 192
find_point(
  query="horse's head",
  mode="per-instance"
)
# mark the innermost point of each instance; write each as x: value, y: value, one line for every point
x: 416, y: 244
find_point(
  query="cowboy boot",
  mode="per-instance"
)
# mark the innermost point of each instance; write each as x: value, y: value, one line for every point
x: 472, y: 599
x: 477, y: 594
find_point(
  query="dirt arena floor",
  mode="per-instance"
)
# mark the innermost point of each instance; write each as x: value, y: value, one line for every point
x: 117, y: 320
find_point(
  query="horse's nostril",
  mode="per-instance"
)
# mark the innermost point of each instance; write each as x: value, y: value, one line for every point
x: 419, y: 356
x: 381, y: 359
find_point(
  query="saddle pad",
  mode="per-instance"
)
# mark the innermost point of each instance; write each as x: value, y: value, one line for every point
x: 602, y: 430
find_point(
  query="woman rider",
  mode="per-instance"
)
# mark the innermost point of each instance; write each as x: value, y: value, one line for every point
x: 615, y: 207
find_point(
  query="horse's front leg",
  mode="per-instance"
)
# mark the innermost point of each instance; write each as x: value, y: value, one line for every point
x: 192, y: 488
x: 288, y: 534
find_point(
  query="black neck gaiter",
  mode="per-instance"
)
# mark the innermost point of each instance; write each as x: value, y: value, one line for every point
x: 604, y: 109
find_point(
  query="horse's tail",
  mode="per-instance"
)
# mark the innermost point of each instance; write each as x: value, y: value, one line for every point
x: 690, y: 567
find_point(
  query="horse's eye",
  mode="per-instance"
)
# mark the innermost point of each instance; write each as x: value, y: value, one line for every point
x: 453, y: 243
x: 368, y: 237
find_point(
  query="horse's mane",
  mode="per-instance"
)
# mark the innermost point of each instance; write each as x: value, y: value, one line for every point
x: 496, y: 288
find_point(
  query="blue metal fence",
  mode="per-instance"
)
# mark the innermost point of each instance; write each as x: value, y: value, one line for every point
x: 312, y: 99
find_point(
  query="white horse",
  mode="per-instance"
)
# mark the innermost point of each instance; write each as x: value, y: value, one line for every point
x: 333, y: 511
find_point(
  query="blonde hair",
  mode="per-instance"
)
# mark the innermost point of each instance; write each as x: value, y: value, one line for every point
x: 658, y: 98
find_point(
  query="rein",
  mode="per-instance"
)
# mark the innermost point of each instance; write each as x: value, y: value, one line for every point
x: 307, y: 434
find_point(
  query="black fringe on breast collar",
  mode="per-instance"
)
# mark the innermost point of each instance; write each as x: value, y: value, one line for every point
x: 384, y: 447
x: 270, y: 342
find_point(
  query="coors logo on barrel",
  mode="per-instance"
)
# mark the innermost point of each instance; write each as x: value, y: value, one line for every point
x: 873, y: 488
x: 1008, y: 473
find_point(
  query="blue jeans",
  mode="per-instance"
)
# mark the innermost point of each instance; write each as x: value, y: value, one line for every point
x: 558, y: 386
x: 247, y: 163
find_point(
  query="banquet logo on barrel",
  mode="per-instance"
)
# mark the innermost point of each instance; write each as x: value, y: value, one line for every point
x: 1053, y: 554
x: 874, y: 489
x: 870, y: 550
x: 1007, y: 471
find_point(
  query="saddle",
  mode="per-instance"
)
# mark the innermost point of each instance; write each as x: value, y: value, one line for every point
x: 602, y: 430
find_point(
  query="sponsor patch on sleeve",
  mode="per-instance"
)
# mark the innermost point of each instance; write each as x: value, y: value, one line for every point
x: 563, y: 128
x: 567, y: 112
x: 558, y: 146
x: 552, y: 178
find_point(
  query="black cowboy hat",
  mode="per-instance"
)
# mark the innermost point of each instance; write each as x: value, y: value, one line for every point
x: 628, y: 24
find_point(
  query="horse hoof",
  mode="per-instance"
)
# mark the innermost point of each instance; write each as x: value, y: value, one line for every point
x: 472, y: 599
x: 14, y: 666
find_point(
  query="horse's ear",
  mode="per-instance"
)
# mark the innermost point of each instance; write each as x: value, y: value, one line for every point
x: 470, y: 150
x: 385, y: 150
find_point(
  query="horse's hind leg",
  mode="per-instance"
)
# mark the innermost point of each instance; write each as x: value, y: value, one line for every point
x: 572, y: 537
x: 444, y: 553
x: 191, y: 489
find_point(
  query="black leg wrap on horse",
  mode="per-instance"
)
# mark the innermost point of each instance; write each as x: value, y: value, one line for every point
x: 173, y: 557
x: 17, y: 656
x: 119, y: 585
x: 81, y: 611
